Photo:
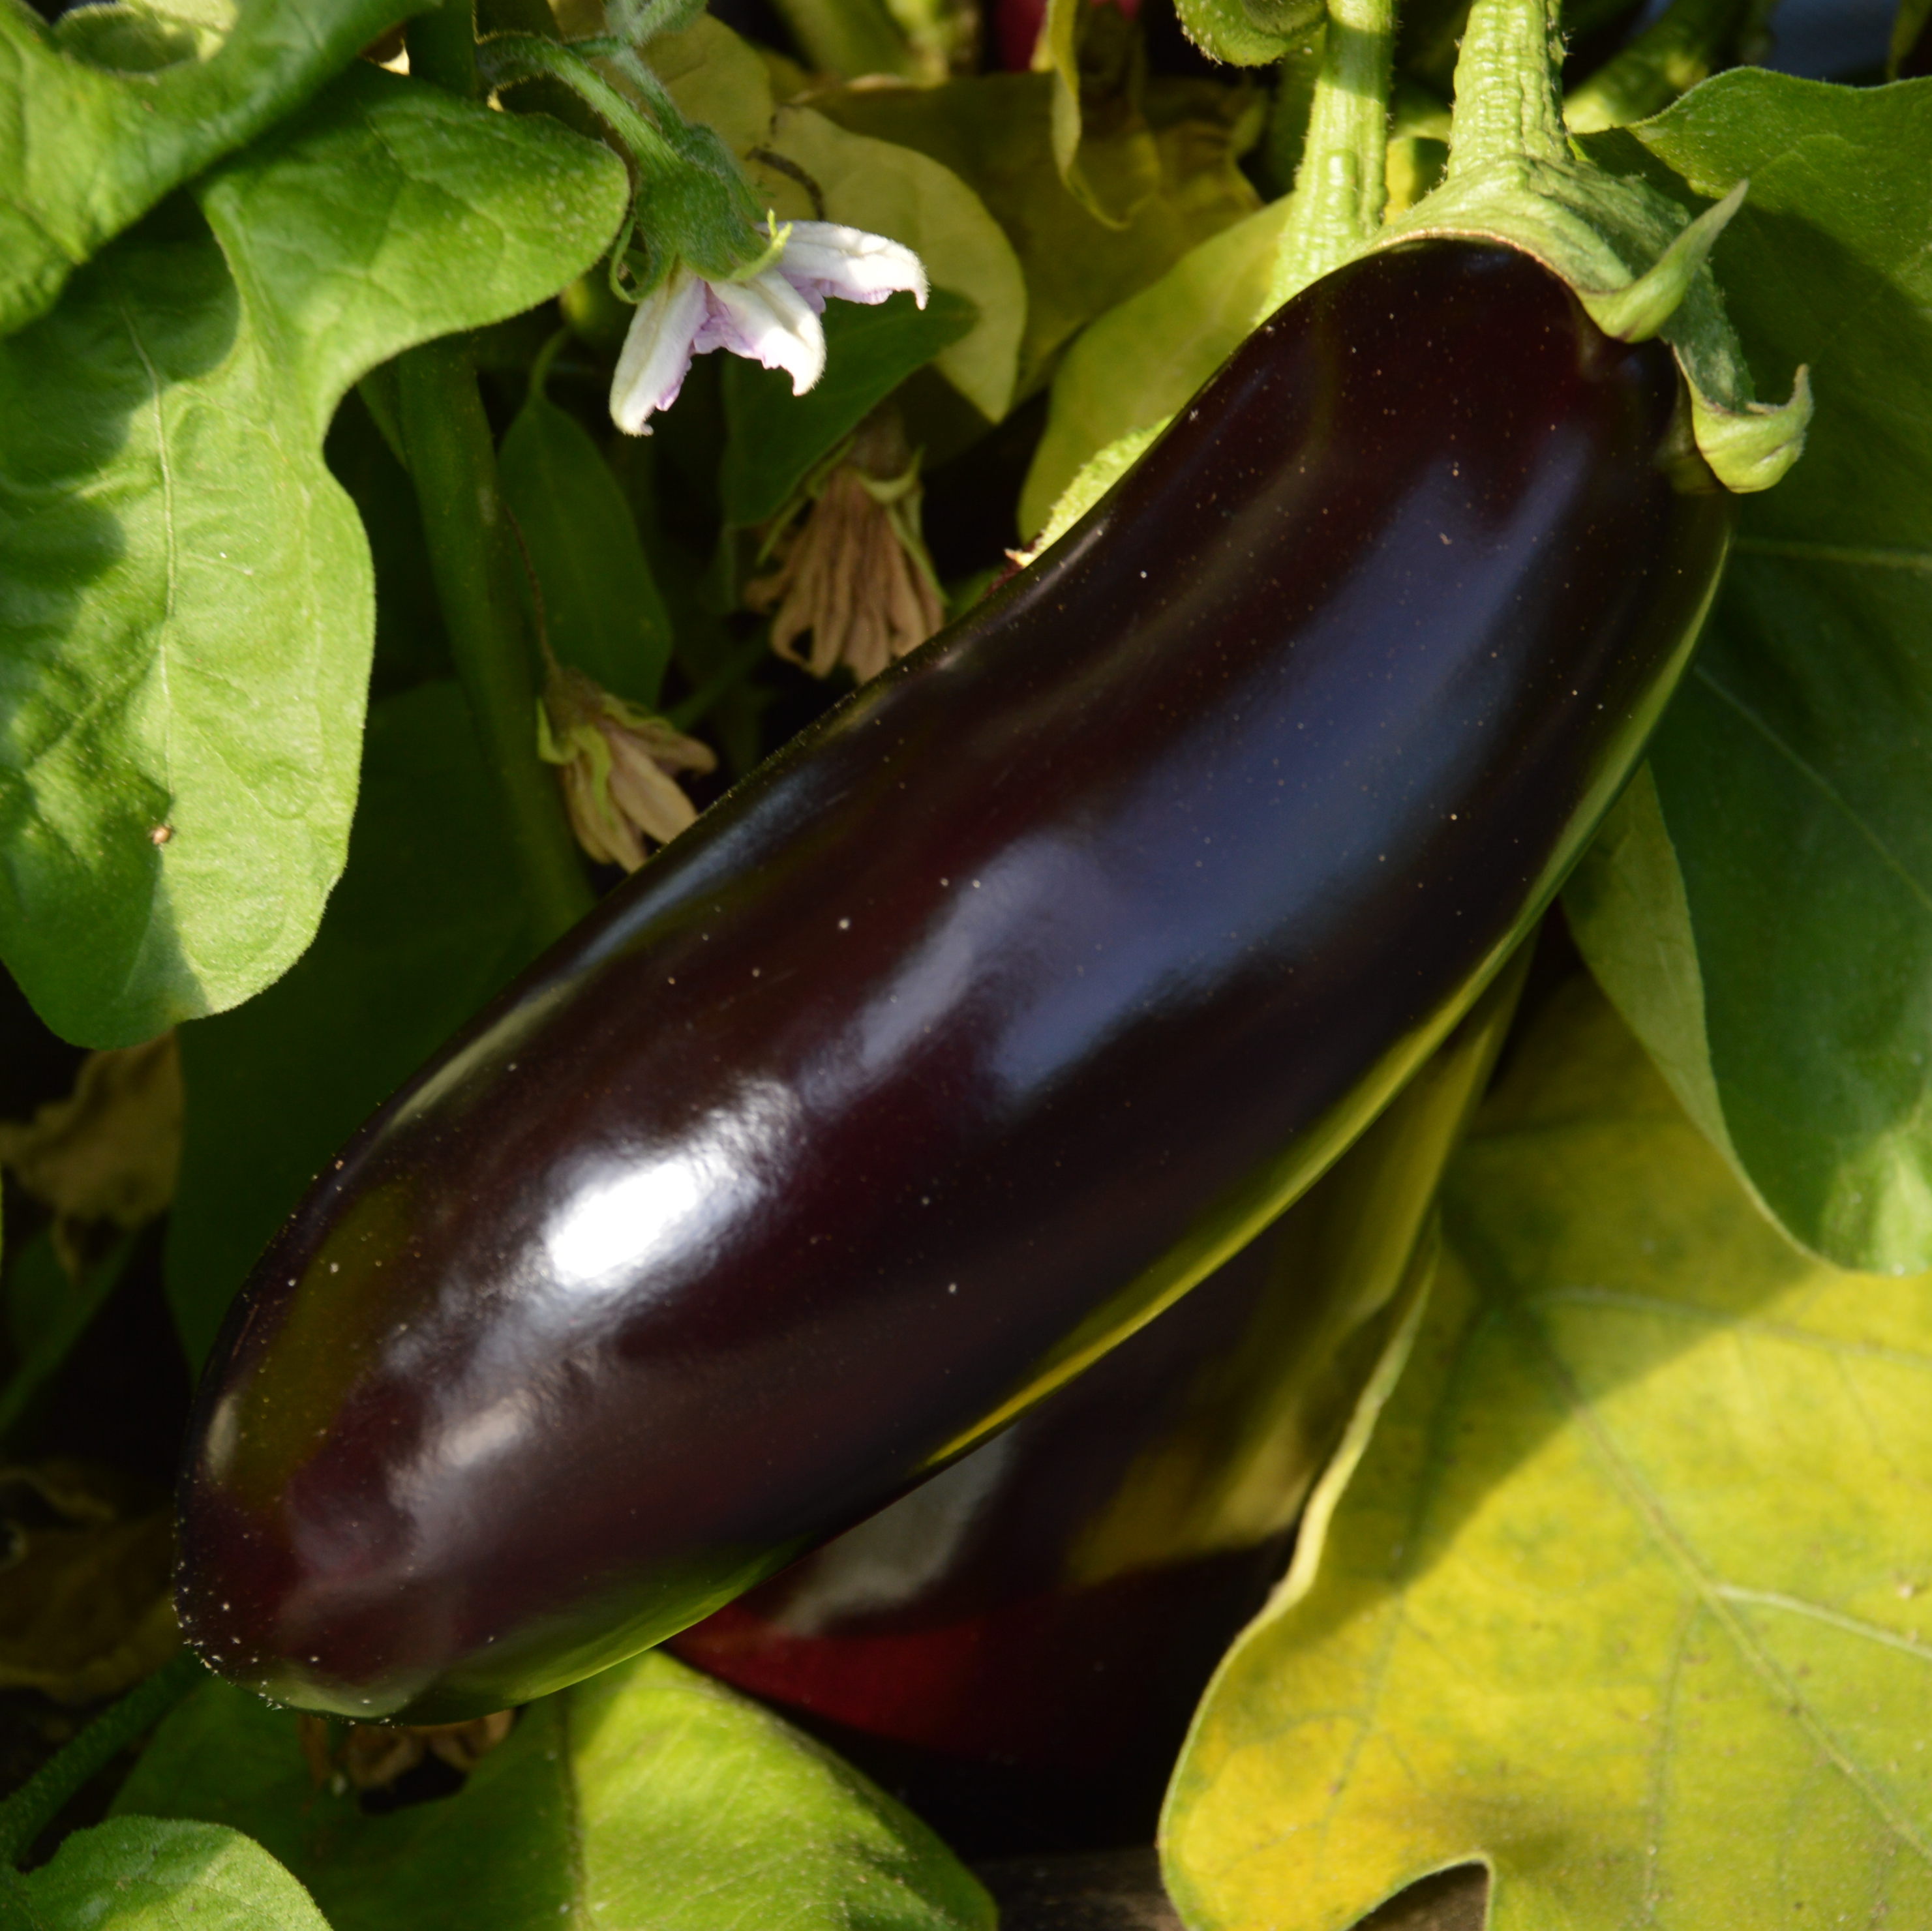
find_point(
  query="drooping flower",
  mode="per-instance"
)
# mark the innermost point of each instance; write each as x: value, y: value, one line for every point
x: 854, y: 570
x: 617, y: 764
x: 769, y: 316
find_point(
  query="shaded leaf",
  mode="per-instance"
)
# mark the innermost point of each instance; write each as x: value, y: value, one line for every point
x: 1131, y: 369
x: 994, y: 132
x: 48, y: 1310
x: 775, y: 438
x: 602, y: 613
x: 896, y: 191
x: 86, y: 152
x: 1627, y: 1597
x: 184, y: 590
x: 646, y: 1799
x: 149, y: 1874
x: 425, y: 925
x: 1764, y: 918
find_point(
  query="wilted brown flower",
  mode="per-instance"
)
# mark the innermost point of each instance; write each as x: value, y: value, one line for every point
x: 616, y: 761
x: 371, y: 1756
x: 106, y: 1158
x: 854, y: 570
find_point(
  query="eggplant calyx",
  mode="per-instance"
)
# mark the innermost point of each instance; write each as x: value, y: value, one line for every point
x: 1640, y: 265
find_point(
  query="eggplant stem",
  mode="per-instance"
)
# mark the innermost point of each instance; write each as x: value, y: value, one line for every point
x: 1508, y: 87
x: 474, y: 566
x: 1342, y: 185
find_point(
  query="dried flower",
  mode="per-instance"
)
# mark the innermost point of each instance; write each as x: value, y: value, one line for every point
x: 106, y: 1158
x: 855, y: 571
x: 617, y: 762
x: 769, y: 316
x: 372, y: 1756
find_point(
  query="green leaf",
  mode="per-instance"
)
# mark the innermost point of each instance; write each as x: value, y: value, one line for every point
x: 153, y: 1874
x: 47, y: 1313
x: 775, y: 437
x: 601, y: 606
x: 701, y: 1810
x: 1764, y: 918
x: 1629, y: 1598
x: 648, y: 1797
x: 85, y: 152
x: 184, y: 592
x: 1133, y: 368
x: 995, y: 134
x: 425, y: 925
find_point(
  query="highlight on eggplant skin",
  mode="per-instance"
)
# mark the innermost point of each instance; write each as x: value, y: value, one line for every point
x: 976, y: 1024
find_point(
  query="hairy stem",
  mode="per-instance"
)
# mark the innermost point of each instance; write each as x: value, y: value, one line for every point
x: 33, y: 1807
x: 1341, y: 184
x: 472, y: 559
x: 1508, y: 97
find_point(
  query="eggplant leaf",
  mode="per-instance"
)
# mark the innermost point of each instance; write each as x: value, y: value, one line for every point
x: 1631, y: 1597
x: 648, y: 1796
x: 1763, y: 917
x: 85, y: 152
x: 153, y: 1874
x: 184, y: 591
x: 424, y: 928
x: 602, y: 611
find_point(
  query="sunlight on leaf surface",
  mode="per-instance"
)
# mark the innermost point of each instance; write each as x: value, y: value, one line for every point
x: 85, y: 152
x: 1629, y: 1598
x: 152, y: 1874
x: 647, y: 1799
x: 185, y: 590
x: 1764, y: 918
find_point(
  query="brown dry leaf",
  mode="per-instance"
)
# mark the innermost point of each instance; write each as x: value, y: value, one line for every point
x: 85, y: 1604
x: 371, y: 1756
x: 108, y: 1155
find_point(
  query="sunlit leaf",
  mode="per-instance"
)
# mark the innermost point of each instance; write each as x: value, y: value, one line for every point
x: 153, y: 1874
x: 184, y: 592
x: 1764, y: 917
x: 1628, y: 1599
x: 648, y: 1797
x: 84, y: 152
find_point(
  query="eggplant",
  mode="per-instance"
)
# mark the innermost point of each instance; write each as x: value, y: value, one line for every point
x: 975, y: 1026
x: 1015, y: 1648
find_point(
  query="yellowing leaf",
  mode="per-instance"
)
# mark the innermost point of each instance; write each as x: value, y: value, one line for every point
x: 716, y: 78
x: 888, y: 190
x: 1629, y: 1598
x: 1132, y: 369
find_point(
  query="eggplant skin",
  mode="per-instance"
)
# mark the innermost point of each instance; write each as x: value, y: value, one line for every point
x: 976, y: 1025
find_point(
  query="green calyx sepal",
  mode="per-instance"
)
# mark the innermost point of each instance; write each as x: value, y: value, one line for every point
x: 1640, y: 267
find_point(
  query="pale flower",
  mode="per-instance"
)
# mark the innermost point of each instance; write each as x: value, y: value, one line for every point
x: 770, y: 317
x: 855, y: 573
x: 617, y: 765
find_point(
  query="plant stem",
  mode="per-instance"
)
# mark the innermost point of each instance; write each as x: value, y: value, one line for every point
x: 1343, y: 183
x: 454, y: 465
x: 25, y: 1814
x: 442, y: 47
x: 1508, y: 97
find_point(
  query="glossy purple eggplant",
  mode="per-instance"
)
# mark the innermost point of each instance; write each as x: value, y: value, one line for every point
x: 990, y: 1014
x: 1015, y: 1649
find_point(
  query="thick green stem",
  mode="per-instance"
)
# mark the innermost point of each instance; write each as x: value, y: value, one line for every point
x: 1508, y: 98
x: 442, y: 47
x: 473, y: 561
x: 1342, y: 182
x: 33, y: 1807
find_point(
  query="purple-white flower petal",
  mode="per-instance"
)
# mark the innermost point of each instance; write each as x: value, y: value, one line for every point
x: 826, y: 258
x: 657, y: 352
x: 767, y: 320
